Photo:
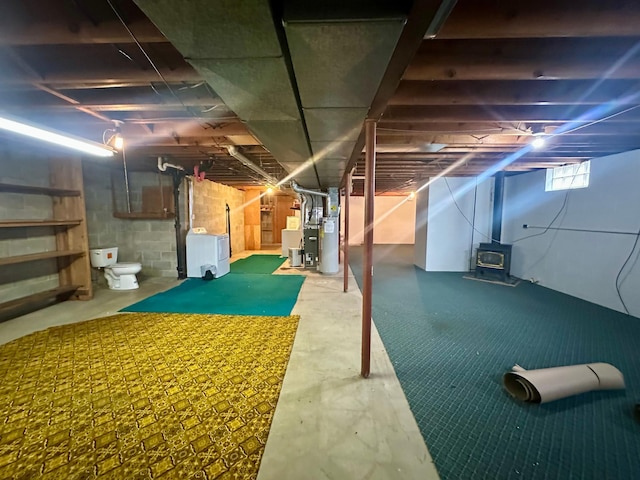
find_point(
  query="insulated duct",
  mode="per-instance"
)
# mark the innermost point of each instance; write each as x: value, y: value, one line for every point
x: 233, y: 151
x: 548, y: 384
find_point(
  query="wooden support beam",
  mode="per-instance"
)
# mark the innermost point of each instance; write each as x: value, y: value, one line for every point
x: 526, y: 59
x: 505, y: 113
x: 545, y: 18
x: 523, y: 92
x: 104, y: 76
x: 58, y: 33
x: 390, y: 128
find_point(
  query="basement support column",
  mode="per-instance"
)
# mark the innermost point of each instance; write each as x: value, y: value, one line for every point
x: 345, y: 264
x: 498, y: 196
x: 367, y: 270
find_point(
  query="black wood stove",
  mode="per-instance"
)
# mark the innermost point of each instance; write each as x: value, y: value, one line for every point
x: 493, y: 260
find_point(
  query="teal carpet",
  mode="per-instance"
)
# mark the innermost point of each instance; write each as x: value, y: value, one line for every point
x: 232, y: 294
x: 257, y: 264
x: 450, y: 341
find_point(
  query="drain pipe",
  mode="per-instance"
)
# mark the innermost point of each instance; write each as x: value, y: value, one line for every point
x: 180, y: 240
x: 163, y: 166
x: 228, y: 210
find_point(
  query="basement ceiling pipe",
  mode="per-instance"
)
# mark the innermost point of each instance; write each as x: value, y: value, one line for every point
x: 233, y: 151
x: 163, y: 166
x: 298, y: 189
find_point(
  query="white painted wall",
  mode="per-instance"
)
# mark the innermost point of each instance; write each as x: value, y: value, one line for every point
x: 394, y: 217
x: 451, y: 239
x: 581, y: 264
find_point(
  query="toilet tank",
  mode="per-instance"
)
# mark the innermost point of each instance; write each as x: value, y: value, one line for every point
x: 103, y: 257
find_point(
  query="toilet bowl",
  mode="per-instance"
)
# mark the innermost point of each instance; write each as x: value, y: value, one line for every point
x: 122, y: 276
x: 119, y: 276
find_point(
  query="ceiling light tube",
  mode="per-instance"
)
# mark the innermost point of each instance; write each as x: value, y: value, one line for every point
x: 64, y: 140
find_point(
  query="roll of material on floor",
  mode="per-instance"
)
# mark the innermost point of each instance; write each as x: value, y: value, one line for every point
x: 548, y: 384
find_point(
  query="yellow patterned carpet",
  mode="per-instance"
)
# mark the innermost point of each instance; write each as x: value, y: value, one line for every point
x: 142, y: 396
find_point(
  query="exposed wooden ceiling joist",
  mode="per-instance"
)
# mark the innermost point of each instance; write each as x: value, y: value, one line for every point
x: 481, y: 19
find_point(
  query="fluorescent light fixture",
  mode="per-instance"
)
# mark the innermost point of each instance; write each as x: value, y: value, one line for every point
x: 84, y: 146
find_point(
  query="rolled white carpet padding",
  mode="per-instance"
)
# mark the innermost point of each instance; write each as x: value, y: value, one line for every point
x: 548, y: 384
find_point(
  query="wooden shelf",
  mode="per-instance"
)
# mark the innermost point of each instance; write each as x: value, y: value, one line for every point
x: 39, y: 223
x: 65, y: 223
x: 144, y: 216
x: 53, y: 191
x: 39, y: 256
x: 16, y: 306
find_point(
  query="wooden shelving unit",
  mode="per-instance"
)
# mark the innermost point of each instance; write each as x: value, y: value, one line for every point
x: 32, y: 257
x: 68, y: 225
x: 53, y: 191
x: 39, y: 223
x: 144, y: 215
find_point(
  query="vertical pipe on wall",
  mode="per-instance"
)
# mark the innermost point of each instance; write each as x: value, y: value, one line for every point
x: 347, y: 195
x: 181, y: 254
x: 126, y: 181
x: 498, y: 196
x: 367, y: 270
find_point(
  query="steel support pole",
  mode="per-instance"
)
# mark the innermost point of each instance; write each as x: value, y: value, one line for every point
x: 367, y: 270
x: 345, y: 245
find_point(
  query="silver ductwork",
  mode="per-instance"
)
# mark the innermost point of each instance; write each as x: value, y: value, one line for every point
x: 298, y: 189
x: 233, y: 151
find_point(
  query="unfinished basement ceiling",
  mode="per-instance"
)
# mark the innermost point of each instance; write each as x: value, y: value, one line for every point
x: 286, y: 82
x: 302, y: 82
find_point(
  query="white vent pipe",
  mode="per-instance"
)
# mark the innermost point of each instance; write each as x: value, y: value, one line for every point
x: 163, y: 166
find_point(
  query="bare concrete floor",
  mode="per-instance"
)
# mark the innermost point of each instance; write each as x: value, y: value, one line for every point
x: 329, y: 423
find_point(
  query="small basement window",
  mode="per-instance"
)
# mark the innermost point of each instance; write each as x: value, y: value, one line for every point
x: 568, y: 176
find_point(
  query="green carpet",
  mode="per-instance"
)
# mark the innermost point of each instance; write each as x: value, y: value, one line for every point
x: 257, y: 264
x: 450, y: 341
x: 237, y: 294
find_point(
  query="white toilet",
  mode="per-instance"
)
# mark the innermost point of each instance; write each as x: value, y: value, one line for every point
x: 120, y: 276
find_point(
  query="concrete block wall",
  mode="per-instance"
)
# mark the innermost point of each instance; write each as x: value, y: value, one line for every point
x: 153, y: 242
x: 150, y: 242
x: 24, y: 166
x: 209, y: 200
x: 137, y: 182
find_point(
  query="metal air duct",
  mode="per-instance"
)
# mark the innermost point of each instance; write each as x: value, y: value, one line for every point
x: 233, y: 151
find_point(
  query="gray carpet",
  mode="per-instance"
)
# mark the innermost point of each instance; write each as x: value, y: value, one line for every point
x: 451, y: 339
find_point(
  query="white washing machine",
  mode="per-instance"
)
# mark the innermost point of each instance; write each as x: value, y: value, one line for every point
x: 204, y: 249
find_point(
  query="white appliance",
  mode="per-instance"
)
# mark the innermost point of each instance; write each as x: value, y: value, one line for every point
x: 207, y: 252
x: 329, y: 246
x: 290, y: 239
